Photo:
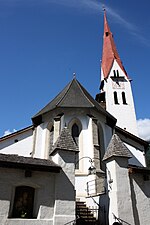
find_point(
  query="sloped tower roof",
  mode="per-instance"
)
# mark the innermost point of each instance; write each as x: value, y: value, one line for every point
x: 116, y: 148
x: 110, y: 52
x: 65, y: 142
x: 74, y: 95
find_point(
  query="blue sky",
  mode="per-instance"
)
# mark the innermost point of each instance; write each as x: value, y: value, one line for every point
x: 43, y: 42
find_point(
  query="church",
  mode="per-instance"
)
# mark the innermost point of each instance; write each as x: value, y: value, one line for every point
x: 81, y: 161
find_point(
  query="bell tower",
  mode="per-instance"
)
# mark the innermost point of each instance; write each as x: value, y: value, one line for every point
x: 115, y: 88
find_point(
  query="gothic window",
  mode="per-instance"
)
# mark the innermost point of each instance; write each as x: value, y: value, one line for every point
x: 115, y: 98
x: 101, y: 146
x: 75, y: 134
x: 51, y: 137
x: 23, y: 202
x: 124, y: 98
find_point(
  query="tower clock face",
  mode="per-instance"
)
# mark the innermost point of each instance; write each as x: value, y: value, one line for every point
x: 118, y: 85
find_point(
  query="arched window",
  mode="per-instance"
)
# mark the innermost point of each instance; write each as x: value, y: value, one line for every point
x: 75, y: 133
x: 124, y: 98
x: 51, y: 138
x: 101, y: 146
x: 115, y: 98
x: 23, y: 202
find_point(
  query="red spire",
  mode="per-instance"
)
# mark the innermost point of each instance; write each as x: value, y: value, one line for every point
x: 109, y: 51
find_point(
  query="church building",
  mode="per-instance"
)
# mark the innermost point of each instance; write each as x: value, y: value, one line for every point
x: 81, y: 161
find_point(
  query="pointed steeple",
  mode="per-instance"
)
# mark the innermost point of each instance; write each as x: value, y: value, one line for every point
x: 110, y: 52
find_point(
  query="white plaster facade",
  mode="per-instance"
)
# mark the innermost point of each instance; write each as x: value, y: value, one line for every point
x: 119, y: 191
x: 140, y: 195
x: 21, y: 143
x: 125, y: 113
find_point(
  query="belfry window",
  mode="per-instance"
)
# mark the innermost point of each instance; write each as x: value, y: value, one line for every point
x: 124, y: 98
x: 115, y: 98
x: 117, y: 73
x: 23, y: 202
x: 114, y: 71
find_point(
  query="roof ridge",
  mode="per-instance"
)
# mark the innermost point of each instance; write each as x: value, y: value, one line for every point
x: 83, y: 91
x: 69, y: 85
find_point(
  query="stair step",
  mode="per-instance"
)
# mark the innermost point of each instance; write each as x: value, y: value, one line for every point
x: 85, y: 215
x: 80, y: 204
x: 88, y: 213
x: 88, y: 218
x: 81, y: 207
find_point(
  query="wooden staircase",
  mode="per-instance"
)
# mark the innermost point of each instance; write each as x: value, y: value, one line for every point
x: 84, y: 215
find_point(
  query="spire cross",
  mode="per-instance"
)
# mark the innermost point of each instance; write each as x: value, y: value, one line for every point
x: 74, y: 75
x: 104, y: 8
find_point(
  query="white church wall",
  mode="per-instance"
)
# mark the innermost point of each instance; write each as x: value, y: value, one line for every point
x: 138, y: 156
x: 140, y: 195
x: 85, y: 138
x: 19, y: 143
x: 40, y: 141
x: 80, y: 186
x: 85, y: 147
x: 119, y: 193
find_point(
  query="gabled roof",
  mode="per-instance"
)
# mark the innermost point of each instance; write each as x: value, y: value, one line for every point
x: 28, y: 163
x: 128, y: 138
x: 74, y: 95
x: 110, y: 52
x: 16, y: 133
x: 65, y: 142
x: 116, y: 148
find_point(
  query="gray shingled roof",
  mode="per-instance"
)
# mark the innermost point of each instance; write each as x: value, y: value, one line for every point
x: 73, y: 95
x: 29, y: 163
x: 65, y: 142
x: 116, y: 148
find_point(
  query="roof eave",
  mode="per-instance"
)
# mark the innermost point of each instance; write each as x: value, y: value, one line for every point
x: 26, y: 166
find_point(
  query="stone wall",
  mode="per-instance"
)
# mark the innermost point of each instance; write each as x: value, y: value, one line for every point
x: 52, y: 203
